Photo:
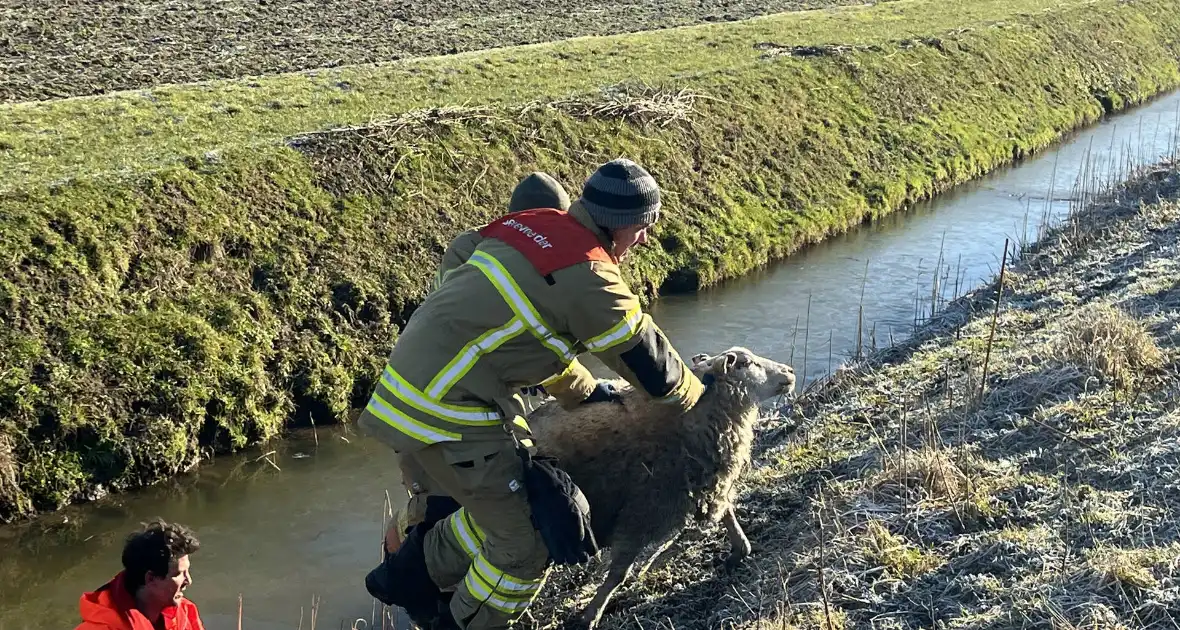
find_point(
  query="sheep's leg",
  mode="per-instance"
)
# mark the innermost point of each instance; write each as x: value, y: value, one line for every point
x: 739, y: 545
x: 660, y: 553
x: 622, y: 559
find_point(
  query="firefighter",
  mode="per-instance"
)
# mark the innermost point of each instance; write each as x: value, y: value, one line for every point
x: 537, y: 190
x: 539, y: 287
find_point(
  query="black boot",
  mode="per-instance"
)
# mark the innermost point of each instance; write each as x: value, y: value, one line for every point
x: 402, y: 580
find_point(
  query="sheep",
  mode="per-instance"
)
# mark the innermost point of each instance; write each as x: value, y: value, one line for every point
x: 645, y: 471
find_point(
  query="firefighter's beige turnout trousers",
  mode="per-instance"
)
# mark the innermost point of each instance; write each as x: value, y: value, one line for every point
x: 488, y: 549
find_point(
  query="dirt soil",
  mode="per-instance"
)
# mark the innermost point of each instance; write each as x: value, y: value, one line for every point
x: 896, y: 496
x: 58, y: 48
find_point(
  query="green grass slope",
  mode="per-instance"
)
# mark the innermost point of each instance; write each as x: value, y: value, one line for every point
x: 187, y: 274
x: 60, y: 48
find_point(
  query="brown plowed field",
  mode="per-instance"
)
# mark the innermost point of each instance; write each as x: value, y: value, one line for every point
x: 58, y: 48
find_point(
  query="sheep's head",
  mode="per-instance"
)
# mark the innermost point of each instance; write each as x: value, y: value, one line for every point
x: 762, y: 377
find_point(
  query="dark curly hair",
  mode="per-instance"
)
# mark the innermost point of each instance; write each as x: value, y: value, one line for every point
x: 154, y: 548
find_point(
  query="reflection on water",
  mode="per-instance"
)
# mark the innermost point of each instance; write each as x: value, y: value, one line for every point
x: 313, y: 528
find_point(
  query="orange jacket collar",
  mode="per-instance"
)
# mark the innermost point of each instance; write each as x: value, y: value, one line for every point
x: 111, y: 607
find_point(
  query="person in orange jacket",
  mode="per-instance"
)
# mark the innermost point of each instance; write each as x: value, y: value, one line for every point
x: 148, y: 594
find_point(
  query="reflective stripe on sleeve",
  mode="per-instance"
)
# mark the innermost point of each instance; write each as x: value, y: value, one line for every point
x: 619, y: 333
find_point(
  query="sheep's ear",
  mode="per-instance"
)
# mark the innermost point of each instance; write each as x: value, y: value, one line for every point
x: 724, y: 364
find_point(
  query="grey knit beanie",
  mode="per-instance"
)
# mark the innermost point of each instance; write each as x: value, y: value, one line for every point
x: 538, y: 190
x: 621, y: 193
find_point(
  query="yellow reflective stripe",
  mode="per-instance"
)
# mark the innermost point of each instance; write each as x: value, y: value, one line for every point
x: 482, y: 593
x: 679, y: 392
x: 466, y: 532
x: 619, y: 333
x: 465, y: 360
x: 520, y: 304
x: 411, y: 427
x: 472, y: 527
x: 521, y: 422
x: 504, y: 583
x: 498, y: 589
x: 470, y: 416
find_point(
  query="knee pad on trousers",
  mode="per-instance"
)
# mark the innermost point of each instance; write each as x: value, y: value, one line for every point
x: 402, y: 579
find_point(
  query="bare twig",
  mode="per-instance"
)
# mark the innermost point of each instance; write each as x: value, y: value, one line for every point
x: 995, y: 317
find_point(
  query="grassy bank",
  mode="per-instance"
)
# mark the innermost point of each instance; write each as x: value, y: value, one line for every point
x: 914, y: 490
x: 58, y: 48
x: 158, y: 308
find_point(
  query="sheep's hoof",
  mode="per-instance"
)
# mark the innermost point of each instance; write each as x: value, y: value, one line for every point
x: 735, y: 559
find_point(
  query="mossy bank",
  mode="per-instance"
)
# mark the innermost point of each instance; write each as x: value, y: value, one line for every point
x: 187, y: 272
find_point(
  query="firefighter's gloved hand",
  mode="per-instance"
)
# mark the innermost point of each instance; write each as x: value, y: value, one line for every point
x: 534, y: 390
x: 603, y: 392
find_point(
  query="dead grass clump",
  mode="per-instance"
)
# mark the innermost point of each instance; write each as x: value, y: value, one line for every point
x: 1093, y: 616
x: 893, y: 553
x: 933, y: 471
x: 1026, y: 392
x: 1144, y: 569
x: 812, y: 616
x: 631, y: 102
x: 771, y: 50
x: 415, y: 122
x: 1161, y: 216
x: 1110, y: 342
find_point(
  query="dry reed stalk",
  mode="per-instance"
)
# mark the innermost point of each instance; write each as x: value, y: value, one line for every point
x: 995, y: 318
x: 794, y: 338
x: 806, y: 336
x: 830, y: 344
x: 905, y: 449
x: 823, y: 562
x: 860, y: 317
x: 266, y: 457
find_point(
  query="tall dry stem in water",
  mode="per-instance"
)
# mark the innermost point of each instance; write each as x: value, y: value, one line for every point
x: 806, y: 335
x: 860, y: 316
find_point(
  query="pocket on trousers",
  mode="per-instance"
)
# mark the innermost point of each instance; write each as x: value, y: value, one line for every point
x: 472, y: 462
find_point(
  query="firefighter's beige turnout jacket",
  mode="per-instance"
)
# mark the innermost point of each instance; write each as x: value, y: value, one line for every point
x: 506, y: 316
